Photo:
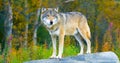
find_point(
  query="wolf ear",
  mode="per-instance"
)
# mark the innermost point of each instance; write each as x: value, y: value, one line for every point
x: 43, y: 9
x: 56, y: 9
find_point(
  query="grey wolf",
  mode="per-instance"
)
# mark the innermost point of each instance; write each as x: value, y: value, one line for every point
x: 69, y: 23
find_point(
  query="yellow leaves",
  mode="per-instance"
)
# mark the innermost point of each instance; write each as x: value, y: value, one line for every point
x: 1, y: 4
x: 16, y: 14
x: 13, y: 51
x: 96, y: 44
x: 17, y: 8
x: 109, y: 3
x: 45, y: 45
x: 110, y: 10
x: 106, y: 46
x: 105, y: 4
x: 67, y: 41
x: 45, y: 4
x: 33, y: 5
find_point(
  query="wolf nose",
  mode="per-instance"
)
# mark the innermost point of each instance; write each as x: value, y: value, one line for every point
x: 51, y: 22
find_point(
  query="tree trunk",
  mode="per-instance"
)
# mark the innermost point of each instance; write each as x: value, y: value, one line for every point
x: 94, y: 25
x: 36, y: 25
x: 8, y: 24
x: 8, y: 28
x: 26, y: 35
x: 26, y: 27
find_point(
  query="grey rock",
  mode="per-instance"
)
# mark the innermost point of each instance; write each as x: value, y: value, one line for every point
x: 102, y: 57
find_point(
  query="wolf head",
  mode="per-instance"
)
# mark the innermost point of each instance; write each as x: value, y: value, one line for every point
x: 49, y: 16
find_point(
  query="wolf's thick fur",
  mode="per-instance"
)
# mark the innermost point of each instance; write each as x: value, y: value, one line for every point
x: 61, y: 24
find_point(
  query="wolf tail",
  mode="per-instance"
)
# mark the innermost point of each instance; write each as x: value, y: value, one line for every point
x: 86, y: 29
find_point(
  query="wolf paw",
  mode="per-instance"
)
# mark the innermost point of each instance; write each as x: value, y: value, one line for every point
x: 80, y: 54
x: 88, y: 52
x: 52, y: 57
x: 59, y: 57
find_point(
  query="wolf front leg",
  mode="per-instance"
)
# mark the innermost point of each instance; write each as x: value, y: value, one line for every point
x: 61, y: 43
x: 54, y: 46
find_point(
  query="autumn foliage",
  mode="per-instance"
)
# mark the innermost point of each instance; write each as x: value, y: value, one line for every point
x: 103, y: 18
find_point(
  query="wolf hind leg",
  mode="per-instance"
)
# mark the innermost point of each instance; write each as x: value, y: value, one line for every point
x: 84, y: 34
x: 78, y: 38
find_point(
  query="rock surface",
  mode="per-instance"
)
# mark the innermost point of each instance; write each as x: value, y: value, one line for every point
x: 103, y: 57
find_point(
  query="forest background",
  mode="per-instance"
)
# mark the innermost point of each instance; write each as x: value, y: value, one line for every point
x: 23, y: 37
